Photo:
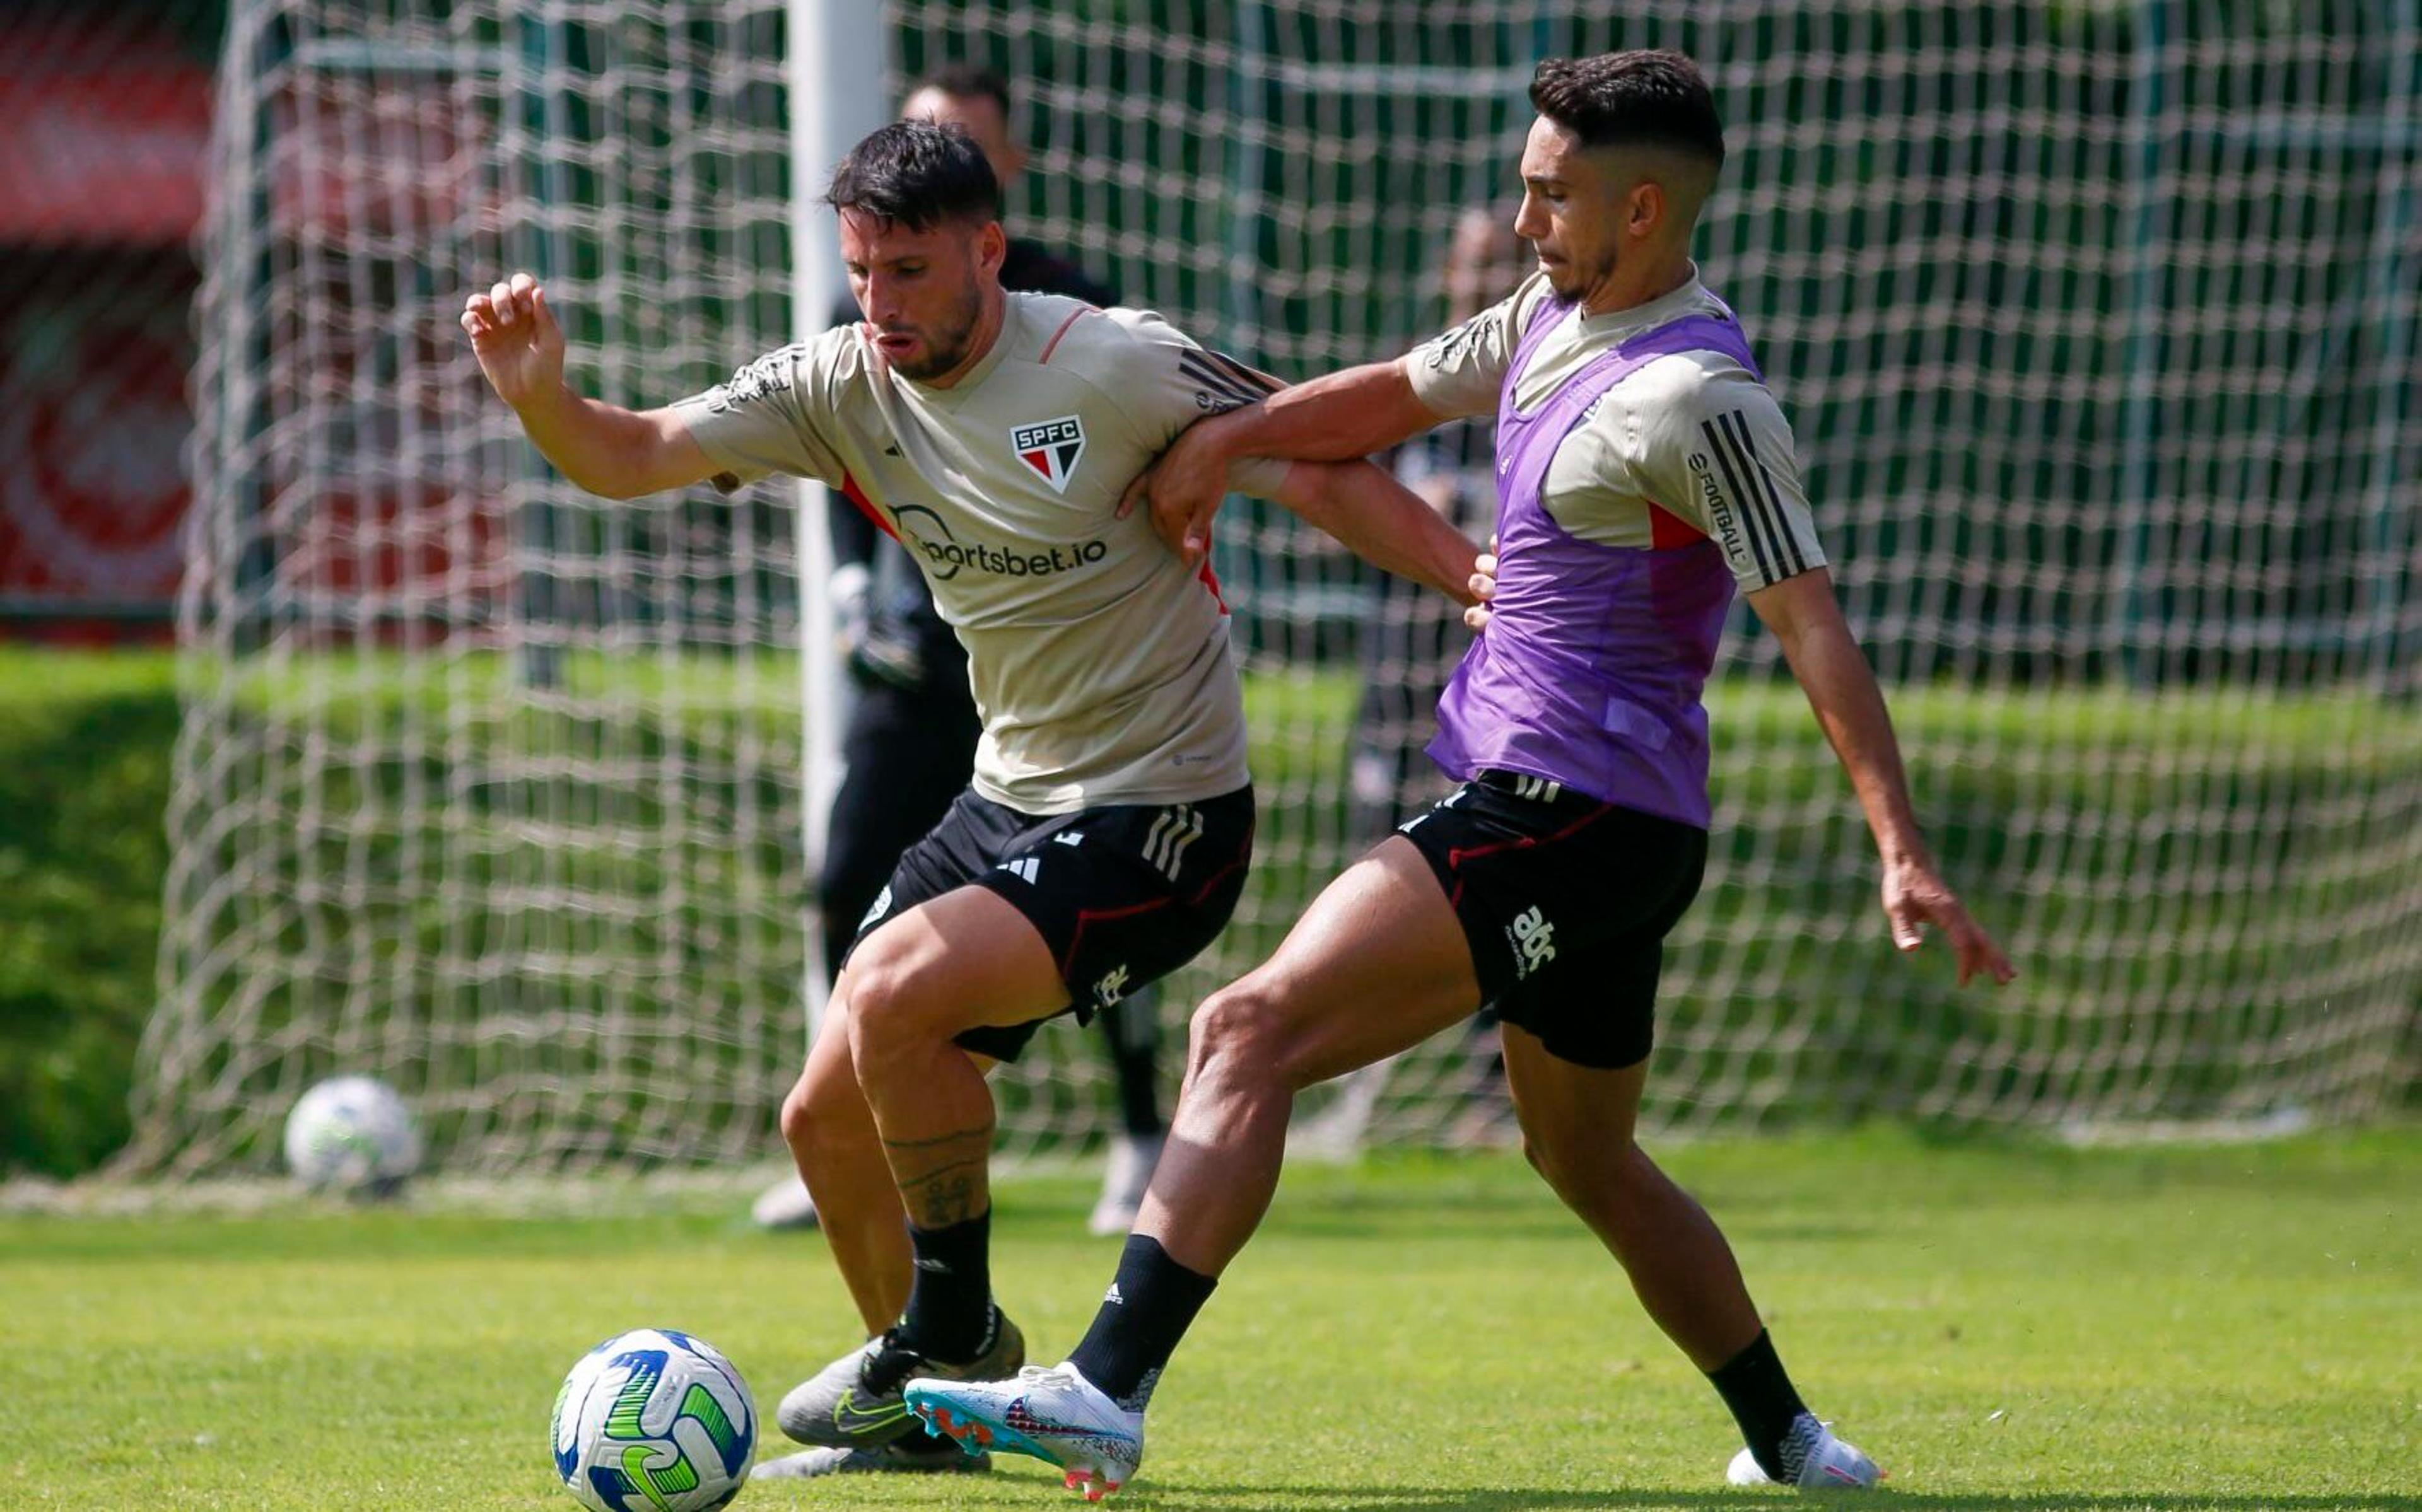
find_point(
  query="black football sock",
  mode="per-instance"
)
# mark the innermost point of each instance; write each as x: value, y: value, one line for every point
x: 1145, y: 1315
x: 1753, y: 1386
x: 950, y: 1302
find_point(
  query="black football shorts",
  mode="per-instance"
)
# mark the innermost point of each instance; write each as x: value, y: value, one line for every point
x: 1565, y: 902
x: 1122, y: 894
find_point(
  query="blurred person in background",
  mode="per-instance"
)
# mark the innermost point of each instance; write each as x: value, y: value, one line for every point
x: 1410, y: 645
x: 1414, y: 637
x: 909, y: 745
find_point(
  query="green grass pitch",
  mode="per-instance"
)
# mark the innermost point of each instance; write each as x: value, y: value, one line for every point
x: 2005, y: 1326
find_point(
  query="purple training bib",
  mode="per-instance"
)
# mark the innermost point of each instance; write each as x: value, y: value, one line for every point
x: 1591, y: 671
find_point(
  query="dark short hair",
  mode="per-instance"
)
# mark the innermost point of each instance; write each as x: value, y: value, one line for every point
x: 1657, y: 99
x: 919, y: 175
x: 966, y: 81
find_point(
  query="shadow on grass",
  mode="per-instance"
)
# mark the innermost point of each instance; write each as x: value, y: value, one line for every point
x: 1510, y: 1499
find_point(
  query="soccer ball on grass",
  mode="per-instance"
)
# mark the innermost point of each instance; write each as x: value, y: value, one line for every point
x: 654, y: 1420
x: 353, y: 1135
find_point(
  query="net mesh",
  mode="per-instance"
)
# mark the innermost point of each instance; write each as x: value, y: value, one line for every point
x: 2095, y: 322
x: 485, y: 787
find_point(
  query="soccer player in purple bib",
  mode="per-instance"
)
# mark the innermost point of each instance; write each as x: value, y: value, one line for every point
x: 1644, y: 471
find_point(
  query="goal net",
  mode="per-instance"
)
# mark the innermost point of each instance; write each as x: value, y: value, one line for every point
x: 2096, y: 321
x: 485, y: 787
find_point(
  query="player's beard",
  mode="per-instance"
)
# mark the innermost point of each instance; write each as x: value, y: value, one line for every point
x: 1572, y: 280
x: 946, y: 345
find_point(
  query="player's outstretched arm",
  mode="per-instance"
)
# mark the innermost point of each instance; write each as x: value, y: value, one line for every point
x: 1332, y: 418
x: 1383, y: 521
x: 1841, y: 688
x: 619, y: 453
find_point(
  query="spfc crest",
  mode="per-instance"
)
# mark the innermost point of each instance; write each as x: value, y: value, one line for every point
x: 1052, y: 448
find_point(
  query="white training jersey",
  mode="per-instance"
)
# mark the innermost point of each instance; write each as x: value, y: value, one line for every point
x: 1688, y: 443
x: 1100, y: 665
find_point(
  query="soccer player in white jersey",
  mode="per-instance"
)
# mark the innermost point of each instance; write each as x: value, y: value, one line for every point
x: 1103, y: 840
x: 1643, y: 471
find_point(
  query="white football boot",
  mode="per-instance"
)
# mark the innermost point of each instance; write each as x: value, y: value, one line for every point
x: 1826, y: 1462
x: 1054, y: 1415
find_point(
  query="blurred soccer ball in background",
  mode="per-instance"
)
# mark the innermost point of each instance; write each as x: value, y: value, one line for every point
x: 353, y: 1135
x: 654, y: 1420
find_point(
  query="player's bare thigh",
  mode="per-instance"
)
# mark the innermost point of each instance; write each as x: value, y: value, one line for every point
x: 915, y: 971
x: 1377, y: 964
x: 826, y: 1106
x: 963, y: 961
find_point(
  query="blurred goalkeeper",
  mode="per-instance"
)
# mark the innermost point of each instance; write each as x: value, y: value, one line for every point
x: 1644, y: 475
x: 910, y: 742
x: 1104, y: 839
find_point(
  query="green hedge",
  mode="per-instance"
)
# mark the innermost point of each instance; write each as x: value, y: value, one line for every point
x: 85, y: 759
x: 84, y: 742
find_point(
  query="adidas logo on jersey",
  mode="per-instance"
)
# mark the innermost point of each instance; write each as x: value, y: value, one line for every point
x: 1024, y: 869
x: 1051, y: 449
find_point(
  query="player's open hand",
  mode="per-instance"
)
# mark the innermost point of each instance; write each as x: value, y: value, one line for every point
x: 514, y: 336
x: 1914, y: 897
x: 1183, y: 489
x: 1484, y: 585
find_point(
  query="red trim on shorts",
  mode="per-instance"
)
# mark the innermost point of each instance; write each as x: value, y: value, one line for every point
x: 1053, y: 344
x: 1455, y: 859
x: 1668, y: 530
x: 850, y: 491
x: 1216, y: 876
x: 1086, y: 916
